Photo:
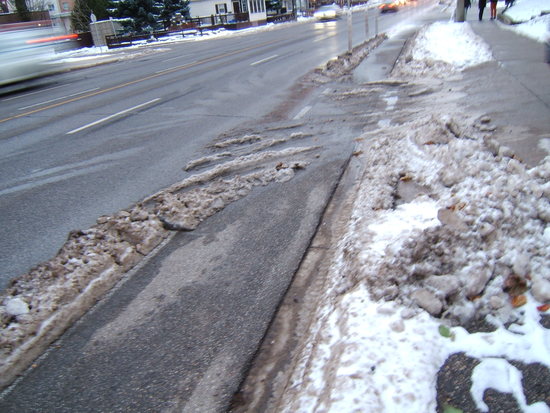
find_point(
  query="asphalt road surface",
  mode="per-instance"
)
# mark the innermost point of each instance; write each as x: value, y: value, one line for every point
x: 91, y: 142
x: 179, y: 333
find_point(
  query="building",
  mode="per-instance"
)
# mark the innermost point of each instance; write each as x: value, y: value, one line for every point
x: 254, y: 8
x: 60, y: 13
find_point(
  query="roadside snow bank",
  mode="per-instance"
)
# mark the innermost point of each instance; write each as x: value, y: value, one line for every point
x: 537, y: 28
x: 433, y: 43
x: 38, y: 307
x: 445, y: 230
x: 530, y: 18
x: 525, y: 10
x: 442, y: 49
x: 448, y: 231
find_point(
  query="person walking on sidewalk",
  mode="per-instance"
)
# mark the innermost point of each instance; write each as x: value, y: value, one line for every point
x: 481, y: 5
x: 493, y: 9
x: 467, y: 5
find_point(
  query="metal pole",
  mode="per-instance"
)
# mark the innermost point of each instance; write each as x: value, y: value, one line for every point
x: 349, y: 26
x: 459, y: 13
x: 367, y: 23
x: 375, y: 24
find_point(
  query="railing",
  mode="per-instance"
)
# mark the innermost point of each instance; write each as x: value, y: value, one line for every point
x: 280, y: 18
x: 229, y: 21
x: 219, y: 20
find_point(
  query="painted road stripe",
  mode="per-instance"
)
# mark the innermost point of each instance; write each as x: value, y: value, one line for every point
x: 56, y: 99
x: 133, y: 82
x: 33, y: 93
x: 267, y: 59
x: 97, y: 122
x: 302, y: 113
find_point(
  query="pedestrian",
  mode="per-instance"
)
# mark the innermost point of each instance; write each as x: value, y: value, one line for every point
x: 481, y: 5
x: 467, y: 5
x: 493, y: 9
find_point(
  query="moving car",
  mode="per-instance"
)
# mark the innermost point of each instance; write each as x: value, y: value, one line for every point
x: 328, y: 12
x: 389, y: 6
x: 27, y: 50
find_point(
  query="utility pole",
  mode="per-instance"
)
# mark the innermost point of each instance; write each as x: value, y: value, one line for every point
x: 349, y: 26
x: 459, y: 13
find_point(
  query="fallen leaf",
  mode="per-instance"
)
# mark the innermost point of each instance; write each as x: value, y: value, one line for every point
x: 429, y: 143
x: 357, y: 153
x: 445, y: 331
x: 519, y: 300
x: 515, y: 285
x: 406, y: 178
x: 543, y: 308
x: 450, y: 409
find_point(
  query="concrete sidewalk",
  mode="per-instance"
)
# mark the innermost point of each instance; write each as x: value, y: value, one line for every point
x: 521, y: 57
x: 514, y: 89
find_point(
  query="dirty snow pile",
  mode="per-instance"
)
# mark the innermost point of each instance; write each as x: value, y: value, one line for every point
x: 37, y: 307
x: 448, y: 228
x: 433, y: 55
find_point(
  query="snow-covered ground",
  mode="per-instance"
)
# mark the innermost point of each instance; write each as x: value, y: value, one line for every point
x: 471, y: 242
x: 531, y: 18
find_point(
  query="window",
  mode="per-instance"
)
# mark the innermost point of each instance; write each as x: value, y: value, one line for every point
x: 221, y: 8
x: 65, y: 6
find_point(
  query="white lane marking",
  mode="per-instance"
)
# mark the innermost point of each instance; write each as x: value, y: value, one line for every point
x: 122, y: 112
x: 267, y: 59
x: 175, y: 67
x: 61, y: 173
x: 302, y: 113
x: 56, y: 99
x: 33, y: 93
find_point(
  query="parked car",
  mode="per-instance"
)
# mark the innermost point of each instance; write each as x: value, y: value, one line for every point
x: 328, y: 12
x: 389, y: 6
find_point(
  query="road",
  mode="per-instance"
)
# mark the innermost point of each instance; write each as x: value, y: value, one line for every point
x: 180, y: 331
x: 91, y: 142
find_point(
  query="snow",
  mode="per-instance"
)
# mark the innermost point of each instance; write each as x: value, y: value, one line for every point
x: 537, y: 28
x: 372, y: 348
x: 466, y: 49
x: 390, y: 231
x: 525, y: 10
x: 533, y: 18
x: 475, y: 230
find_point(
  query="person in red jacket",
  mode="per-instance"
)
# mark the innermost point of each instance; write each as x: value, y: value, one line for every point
x: 493, y: 9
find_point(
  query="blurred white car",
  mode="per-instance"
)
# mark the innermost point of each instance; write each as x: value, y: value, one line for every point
x: 27, y: 50
x: 328, y: 12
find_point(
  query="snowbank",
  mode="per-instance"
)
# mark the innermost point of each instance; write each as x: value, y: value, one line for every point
x: 447, y: 228
x: 442, y: 50
x: 525, y: 10
x: 38, y: 307
x: 530, y: 18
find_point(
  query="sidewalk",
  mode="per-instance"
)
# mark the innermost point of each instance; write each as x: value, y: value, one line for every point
x: 345, y: 353
x: 515, y: 90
